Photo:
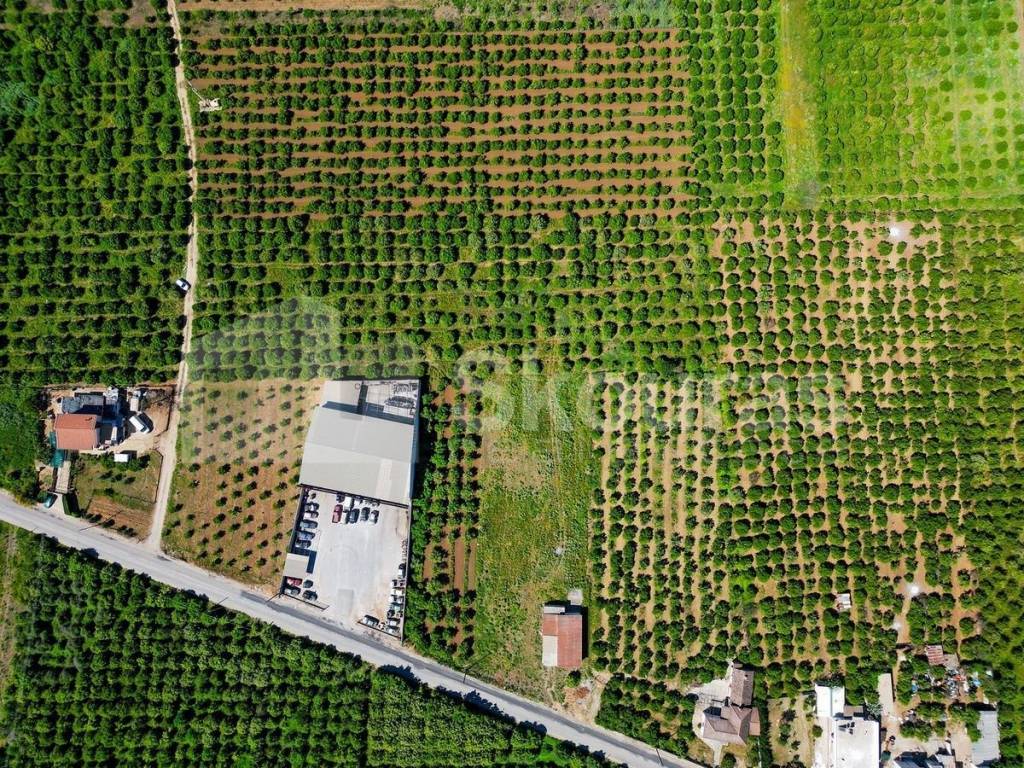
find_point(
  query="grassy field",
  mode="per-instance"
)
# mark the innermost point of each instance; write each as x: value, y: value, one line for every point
x: 537, y: 477
x: 919, y: 102
x: 119, y: 495
x: 798, y: 74
x: 9, y: 566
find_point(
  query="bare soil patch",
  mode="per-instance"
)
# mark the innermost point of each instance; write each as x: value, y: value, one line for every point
x: 234, y: 492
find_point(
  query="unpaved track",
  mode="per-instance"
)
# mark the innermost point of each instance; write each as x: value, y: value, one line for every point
x: 169, y: 444
x: 79, y: 534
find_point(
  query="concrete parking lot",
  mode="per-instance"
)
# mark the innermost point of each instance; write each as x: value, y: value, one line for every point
x: 354, y: 563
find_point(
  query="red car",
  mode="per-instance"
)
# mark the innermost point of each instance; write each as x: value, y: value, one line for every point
x: 337, y: 514
x: 292, y: 581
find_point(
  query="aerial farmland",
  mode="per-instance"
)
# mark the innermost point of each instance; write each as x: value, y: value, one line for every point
x: 712, y: 311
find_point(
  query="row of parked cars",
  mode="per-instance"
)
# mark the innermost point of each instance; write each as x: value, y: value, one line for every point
x: 307, y: 526
x: 355, y: 510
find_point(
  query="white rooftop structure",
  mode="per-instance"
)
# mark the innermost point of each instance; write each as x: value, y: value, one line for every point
x: 848, y: 740
x: 986, y: 749
x: 855, y: 743
x: 368, y: 454
x: 829, y: 700
x: 296, y: 566
x: 344, y: 392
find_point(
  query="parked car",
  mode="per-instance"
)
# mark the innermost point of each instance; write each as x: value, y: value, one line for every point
x: 312, y: 505
x: 307, y: 525
x: 309, y: 594
x: 292, y: 581
x: 183, y: 285
x: 364, y: 514
x: 304, y: 536
x: 340, y: 497
x: 375, y: 515
x: 337, y: 515
x: 51, y: 498
x: 307, y: 583
x: 312, y: 514
x: 353, y: 516
x: 290, y: 590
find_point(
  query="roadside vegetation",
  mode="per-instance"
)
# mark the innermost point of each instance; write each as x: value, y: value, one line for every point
x: 21, y: 438
x: 210, y: 687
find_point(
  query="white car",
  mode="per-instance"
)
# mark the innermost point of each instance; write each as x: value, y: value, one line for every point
x: 183, y: 285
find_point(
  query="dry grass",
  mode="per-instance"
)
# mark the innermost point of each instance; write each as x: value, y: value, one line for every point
x: 236, y: 483
x: 121, y: 496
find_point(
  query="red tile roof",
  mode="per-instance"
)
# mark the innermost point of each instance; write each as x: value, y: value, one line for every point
x: 567, y: 629
x: 935, y: 655
x: 76, y: 431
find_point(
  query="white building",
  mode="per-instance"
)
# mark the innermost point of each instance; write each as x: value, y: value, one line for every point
x: 849, y: 739
x: 985, y: 750
x: 362, y: 440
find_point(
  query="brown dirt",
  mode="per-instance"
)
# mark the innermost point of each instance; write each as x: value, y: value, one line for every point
x: 234, y: 496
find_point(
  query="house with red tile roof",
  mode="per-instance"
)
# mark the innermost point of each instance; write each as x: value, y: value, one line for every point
x: 77, y: 431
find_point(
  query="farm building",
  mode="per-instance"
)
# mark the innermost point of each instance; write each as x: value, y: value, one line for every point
x: 729, y: 724
x: 561, y: 637
x: 362, y: 440
x: 77, y: 431
x: 103, y: 409
x: 985, y: 751
x: 734, y: 720
x: 849, y: 739
x: 349, y: 550
x: 741, y: 686
x: 935, y: 655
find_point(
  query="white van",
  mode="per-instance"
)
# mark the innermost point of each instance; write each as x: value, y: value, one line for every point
x: 139, y: 425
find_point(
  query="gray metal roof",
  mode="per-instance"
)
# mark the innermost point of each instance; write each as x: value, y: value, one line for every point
x: 358, y: 454
x: 986, y: 749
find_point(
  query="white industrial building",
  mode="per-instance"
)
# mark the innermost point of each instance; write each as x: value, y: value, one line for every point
x: 362, y: 440
x: 350, y: 546
x: 849, y: 739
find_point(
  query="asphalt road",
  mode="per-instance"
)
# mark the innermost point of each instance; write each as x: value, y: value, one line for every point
x: 78, y: 534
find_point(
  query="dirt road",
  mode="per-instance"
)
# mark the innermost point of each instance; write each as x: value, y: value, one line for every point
x: 169, y: 443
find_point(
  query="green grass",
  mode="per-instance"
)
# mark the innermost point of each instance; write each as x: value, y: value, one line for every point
x: 919, y: 101
x: 20, y: 439
x: 17, y: 549
x: 536, y: 488
x: 798, y: 114
x: 131, y: 485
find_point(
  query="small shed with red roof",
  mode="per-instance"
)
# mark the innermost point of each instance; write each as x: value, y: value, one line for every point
x: 562, y: 637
